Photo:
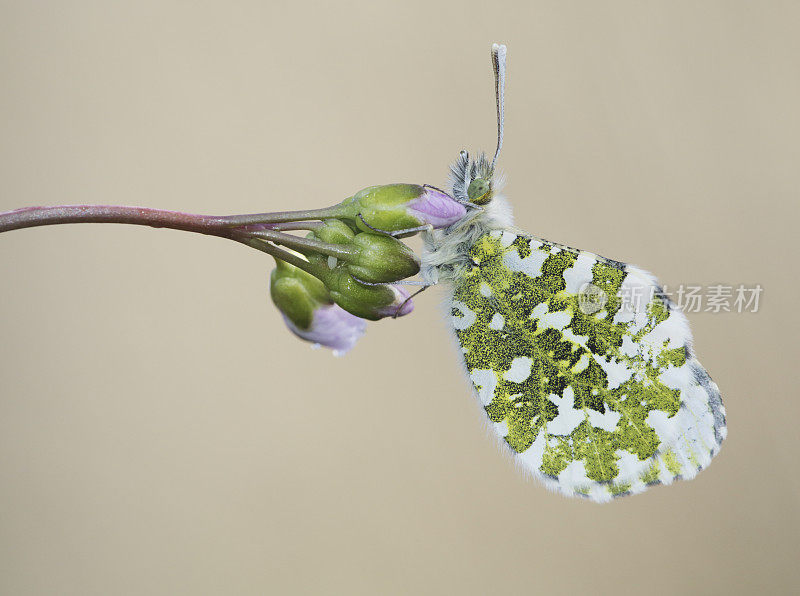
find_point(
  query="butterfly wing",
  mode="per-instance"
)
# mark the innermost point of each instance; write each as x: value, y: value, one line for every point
x: 584, y: 367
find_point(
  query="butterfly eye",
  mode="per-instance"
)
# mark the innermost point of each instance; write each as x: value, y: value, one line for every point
x: 480, y: 191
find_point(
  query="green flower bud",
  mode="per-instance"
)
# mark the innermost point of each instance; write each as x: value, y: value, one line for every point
x: 383, y: 207
x: 334, y: 231
x: 297, y: 294
x: 381, y: 259
x: 373, y: 258
x: 371, y: 302
x: 393, y: 207
x: 309, y: 312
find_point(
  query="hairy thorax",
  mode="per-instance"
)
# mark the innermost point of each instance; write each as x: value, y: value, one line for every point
x: 445, y: 256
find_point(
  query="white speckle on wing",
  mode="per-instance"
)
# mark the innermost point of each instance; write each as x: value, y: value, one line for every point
x: 497, y: 322
x: 507, y: 238
x: 530, y: 265
x: 467, y: 317
x: 568, y: 417
x: 581, y: 364
x: 485, y: 381
x: 539, y: 310
x: 557, y: 319
x: 617, y: 371
x: 532, y: 457
x: 520, y: 369
x: 607, y: 421
x: 580, y: 273
x: 574, y: 475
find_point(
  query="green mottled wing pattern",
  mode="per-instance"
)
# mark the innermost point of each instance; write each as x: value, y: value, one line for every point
x: 584, y: 368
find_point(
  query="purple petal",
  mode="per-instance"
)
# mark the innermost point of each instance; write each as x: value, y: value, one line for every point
x: 402, y: 301
x: 436, y: 208
x: 332, y: 327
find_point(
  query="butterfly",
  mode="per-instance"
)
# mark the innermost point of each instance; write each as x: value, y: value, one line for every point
x: 582, y: 364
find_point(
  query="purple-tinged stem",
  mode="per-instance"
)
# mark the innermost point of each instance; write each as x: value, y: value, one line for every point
x: 257, y: 235
x: 29, y: 217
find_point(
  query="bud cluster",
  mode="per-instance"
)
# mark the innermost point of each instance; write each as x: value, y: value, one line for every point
x: 352, y: 261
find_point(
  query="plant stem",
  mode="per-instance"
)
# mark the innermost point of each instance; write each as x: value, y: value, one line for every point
x: 280, y: 227
x: 29, y: 217
x: 278, y: 253
x: 251, y: 230
x: 236, y: 221
x: 303, y: 245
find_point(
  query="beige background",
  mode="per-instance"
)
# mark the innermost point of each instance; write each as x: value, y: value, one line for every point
x: 162, y: 433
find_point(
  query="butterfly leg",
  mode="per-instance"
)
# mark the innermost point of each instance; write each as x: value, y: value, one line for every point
x: 405, y: 282
x: 422, y: 289
x: 397, y: 233
x: 444, y: 192
x: 467, y: 204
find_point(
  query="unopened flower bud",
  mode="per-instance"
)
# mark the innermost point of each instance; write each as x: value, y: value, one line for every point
x: 402, y: 304
x: 371, y: 257
x: 334, y: 231
x: 381, y: 259
x: 393, y: 207
x: 296, y: 293
x: 367, y: 301
x: 436, y: 208
x: 309, y: 311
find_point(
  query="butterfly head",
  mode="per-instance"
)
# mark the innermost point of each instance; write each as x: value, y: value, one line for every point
x: 474, y: 180
x: 480, y: 191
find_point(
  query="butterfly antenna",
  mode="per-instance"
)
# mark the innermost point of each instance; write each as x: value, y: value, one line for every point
x: 499, y: 66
